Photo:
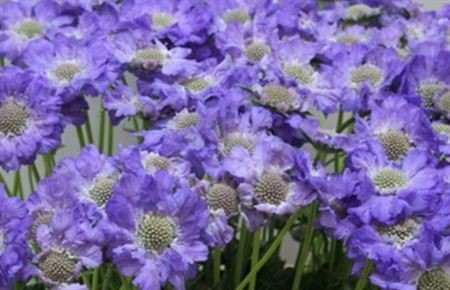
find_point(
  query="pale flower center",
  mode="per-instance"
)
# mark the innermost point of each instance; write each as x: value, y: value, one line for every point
x: 13, y: 119
x: 57, y: 266
x: 271, y: 188
x: 156, y: 232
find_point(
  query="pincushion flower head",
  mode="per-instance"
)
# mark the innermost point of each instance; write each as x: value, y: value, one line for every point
x: 140, y: 51
x: 179, y: 21
x: 139, y: 160
x: 223, y: 204
x: 30, y: 118
x: 363, y: 74
x: 15, y: 253
x: 68, y: 65
x: 268, y: 186
x: 23, y: 23
x: 426, y: 77
x: 161, y: 228
x: 68, y: 245
x: 94, y: 176
x: 396, y: 189
x: 424, y: 266
x: 397, y: 126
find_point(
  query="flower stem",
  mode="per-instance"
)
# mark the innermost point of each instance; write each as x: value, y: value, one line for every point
x: 95, y: 277
x: 80, y: 136
x: 240, y: 254
x: 217, y: 255
x: 107, y: 278
x: 255, y: 257
x: 101, y: 137
x: 90, y: 136
x: 18, y: 189
x: 110, y: 138
x: 272, y: 249
x: 3, y: 181
x: 35, y: 172
x: 362, y: 282
x: 300, y: 266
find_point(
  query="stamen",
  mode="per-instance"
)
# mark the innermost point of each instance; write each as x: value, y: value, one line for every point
x: 162, y: 20
x: 271, y: 188
x: 303, y: 74
x: 222, y: 196
x: 57, y: 266
x: 102, y: 190
x: 237, y: 16
x: 256, y: 51
x: 388, y: 181
x: 13, y: 119
x: 156, y: 233
x: 401, y: 233
x: 366, y: 73
x: 66, y: 72
x: 396, y: 144
x: 435, y: 279
x: 28, y: 29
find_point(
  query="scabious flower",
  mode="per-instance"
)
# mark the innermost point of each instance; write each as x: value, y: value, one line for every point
x: 138, y: 159
x: 23, y: 23
x: 397, y: 126
x: 223, y: 204
x: 161, y: 230
x: 394, y: 190
x: 268, y: 186
x: 15, y: 253
x: 362, y: 75
x: 68, y: 244
x: 180, y: 21
x: 69, y: 66
x: 139, y: 51
x: 30, y: 118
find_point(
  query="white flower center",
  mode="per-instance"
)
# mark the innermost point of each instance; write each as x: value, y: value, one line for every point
x: 366, y: 73
x: 29, y: 28
x: 156, y: 232
x: 57, y: 266
x: 256, y: 51
x: 271, y: 188
x: 66, y: 72
x: 388, y: 180
x: 396, y: 144
x: 13, y: 119
x: 222, y: 196
x: 436, y: 279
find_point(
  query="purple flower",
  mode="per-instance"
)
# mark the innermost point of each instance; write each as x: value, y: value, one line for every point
x: 14, y: 250
x: 397, y: 126
x: 395, y: 190
x: 69, y: 243
x: 161, y: 230
x: 68, y: 65
x: 23, y: 23
x: 30, y: 118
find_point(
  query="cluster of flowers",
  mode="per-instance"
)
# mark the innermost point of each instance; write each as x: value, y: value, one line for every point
x: 233, y: 92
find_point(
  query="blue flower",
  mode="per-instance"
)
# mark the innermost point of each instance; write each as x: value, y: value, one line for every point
x: 30, y: 118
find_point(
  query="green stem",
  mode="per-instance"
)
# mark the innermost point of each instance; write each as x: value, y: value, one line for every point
x: 3, y: 181
x: 362, y: 282
x: 90, y: 136
x: 35, y: 171
x: 107, y: 277
x: 80, y: 136
x: 272, y: 249
x: 217, y: 255
x: 110, y: 138
x: 255, y: 258
x: 240, y: 254
x: 101, y: 137
x: 332, y: 254
x: 30, y: 178
x: 300, y: 266
x: 18, y: 189
x: 95, y: 277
